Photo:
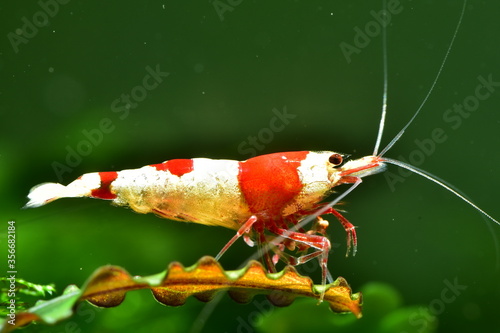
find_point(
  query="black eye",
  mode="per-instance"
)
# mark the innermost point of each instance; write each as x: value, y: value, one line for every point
x: 336, y: 159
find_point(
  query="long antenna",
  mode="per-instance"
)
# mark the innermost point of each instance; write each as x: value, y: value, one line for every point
x: 438, y: 181
x: 385, y: 69
x: 396, y: 138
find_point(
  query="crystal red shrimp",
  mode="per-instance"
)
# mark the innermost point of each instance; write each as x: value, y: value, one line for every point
x: 262, y: 196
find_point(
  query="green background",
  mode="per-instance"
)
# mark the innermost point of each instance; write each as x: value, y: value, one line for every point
x: 226, y: 76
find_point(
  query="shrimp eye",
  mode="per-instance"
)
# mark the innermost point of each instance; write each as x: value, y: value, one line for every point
x: 336, y: 160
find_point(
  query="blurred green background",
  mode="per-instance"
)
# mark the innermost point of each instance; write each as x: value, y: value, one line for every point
x: 227, y: 71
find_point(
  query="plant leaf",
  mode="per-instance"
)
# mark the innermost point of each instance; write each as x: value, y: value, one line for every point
x: 108, y: 285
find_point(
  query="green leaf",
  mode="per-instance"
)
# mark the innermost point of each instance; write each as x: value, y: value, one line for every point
x: 108, y: 285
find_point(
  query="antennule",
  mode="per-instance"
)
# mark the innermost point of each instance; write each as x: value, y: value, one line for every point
x: 431, y: 89
x: 384, y: 95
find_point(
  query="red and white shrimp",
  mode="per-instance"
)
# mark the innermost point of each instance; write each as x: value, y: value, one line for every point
x: 265, y: 195
x: 267, y: 199
x: 268, y: 194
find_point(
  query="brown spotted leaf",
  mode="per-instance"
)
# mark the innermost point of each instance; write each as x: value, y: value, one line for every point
x: 108, y: 285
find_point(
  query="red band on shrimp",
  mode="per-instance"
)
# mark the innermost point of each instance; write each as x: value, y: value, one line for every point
x: 104, y: 191
x: 176, y: 167
x: 269, y: 182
